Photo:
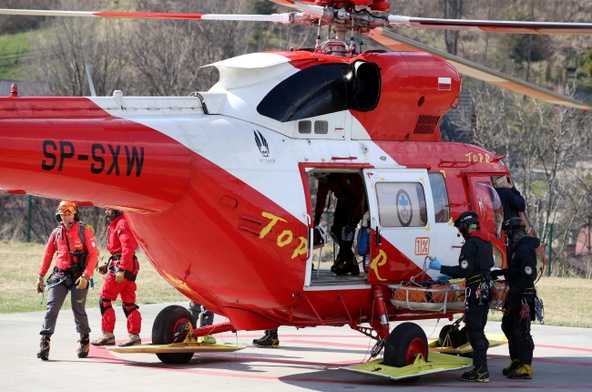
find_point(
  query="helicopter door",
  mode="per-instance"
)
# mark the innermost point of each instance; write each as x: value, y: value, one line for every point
x: 403, y: 224
x: 486, y: 203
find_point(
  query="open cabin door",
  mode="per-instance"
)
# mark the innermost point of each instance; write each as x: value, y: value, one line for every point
x: 409, y: 220
x: 486, y: 203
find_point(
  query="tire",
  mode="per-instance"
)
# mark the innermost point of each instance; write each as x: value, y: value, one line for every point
x: 456, y: 337
x: 403, y: 345
x: 164, y: 328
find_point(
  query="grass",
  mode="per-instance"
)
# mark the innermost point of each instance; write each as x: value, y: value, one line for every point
x: 13, y: 50
x: 19, y: 263
x: 566, y: 299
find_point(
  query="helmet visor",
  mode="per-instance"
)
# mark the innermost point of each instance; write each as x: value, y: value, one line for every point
x: 66, y: 210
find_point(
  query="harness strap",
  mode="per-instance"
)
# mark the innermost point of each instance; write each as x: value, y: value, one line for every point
x: 482, y: 277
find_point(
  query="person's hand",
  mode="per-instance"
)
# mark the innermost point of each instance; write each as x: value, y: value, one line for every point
x: 39, y: 285
x: 81, y: 283
x: 120, y: 276
x: 435, y: 264
x: 443, y: 278
x: 102, y: 269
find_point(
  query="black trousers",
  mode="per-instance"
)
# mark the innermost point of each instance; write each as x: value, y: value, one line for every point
x: 518, y: 313
x: 475, y: 320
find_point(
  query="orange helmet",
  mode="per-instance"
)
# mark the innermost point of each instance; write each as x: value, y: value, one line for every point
x: 66, y: 208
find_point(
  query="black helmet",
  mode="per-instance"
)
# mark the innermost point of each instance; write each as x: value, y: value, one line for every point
x: 467, y: 220
x: 514, y: 224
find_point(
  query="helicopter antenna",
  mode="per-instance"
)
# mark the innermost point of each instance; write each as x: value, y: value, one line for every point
x: 91, y: 85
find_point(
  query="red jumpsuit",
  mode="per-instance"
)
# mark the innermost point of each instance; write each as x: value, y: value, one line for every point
x: 122, y: 245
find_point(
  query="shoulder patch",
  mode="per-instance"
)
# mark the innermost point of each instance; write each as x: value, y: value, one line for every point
x: 528, y: 270
x: 464, y: 264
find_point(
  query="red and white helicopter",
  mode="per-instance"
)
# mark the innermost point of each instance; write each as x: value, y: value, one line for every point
x: 218, y: 186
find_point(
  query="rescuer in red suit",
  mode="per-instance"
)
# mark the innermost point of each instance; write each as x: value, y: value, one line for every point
x: 120, y: 280
x: 76, y: 252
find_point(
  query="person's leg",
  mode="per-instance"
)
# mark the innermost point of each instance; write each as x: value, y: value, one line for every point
x: 524, y: 341
x: 509, y: 329
x: 475, y: 319
x: 55, y: 299
x: 78, y: 299
x: 109, y: 292
x: 132, y: 314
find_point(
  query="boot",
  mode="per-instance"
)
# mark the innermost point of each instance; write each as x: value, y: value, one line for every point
x: 338, y: 266
x: 208, y: 339
x: 132, y: 341
x: 84, y: 343
x: 107, y: 339
x: 515, y: 364
x: 478, y: 374
x: 44, y: 344
x: 522, y: 372
x: 346, y: 267
x: 269, y: 340
x: 262, y: 338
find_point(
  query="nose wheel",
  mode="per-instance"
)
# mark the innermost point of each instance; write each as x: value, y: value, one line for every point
x: 404, y: 344
x: 169, y: 325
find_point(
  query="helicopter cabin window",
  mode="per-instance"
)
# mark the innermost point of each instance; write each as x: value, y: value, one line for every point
x: 304, y: 127
x: 323, y: 89
x: 321, y: 127
x: 440, y: 196
x: 401, y: 204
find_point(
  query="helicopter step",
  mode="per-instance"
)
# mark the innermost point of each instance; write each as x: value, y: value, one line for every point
x: 324, y: 277
x: 177, y: 348
x: 437, y: 363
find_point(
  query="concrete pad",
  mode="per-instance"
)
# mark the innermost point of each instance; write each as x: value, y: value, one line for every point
x: 307, y: 359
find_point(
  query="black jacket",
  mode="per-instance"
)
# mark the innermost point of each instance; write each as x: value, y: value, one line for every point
x: 512, y: 202
x: 521, y: 272
x: 476, y: 257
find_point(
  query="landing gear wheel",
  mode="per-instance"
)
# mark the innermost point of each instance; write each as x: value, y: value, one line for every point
x: 170, y: 321
x: 404, y: 344
x: 451, y: 335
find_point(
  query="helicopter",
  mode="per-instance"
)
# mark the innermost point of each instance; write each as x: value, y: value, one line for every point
x: 219, y: 186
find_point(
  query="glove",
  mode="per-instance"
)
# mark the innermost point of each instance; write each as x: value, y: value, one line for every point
x: 320, y: 236
x: 435, y: 264
x: 102, y: 269
x: 81, y: 283
x: 347, y: 232
x: 120, y: 276
x: 443, y: 278
x: 39, y: 285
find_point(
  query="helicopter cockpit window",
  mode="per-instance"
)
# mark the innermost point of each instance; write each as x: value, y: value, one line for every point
x: 440, y: 195
x: 323, y: 89
x: 401, y: 204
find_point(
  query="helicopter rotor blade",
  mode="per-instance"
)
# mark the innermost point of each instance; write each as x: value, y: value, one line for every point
x: 398, y: 42
x: 276, y: 18
x: 491, y: 26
